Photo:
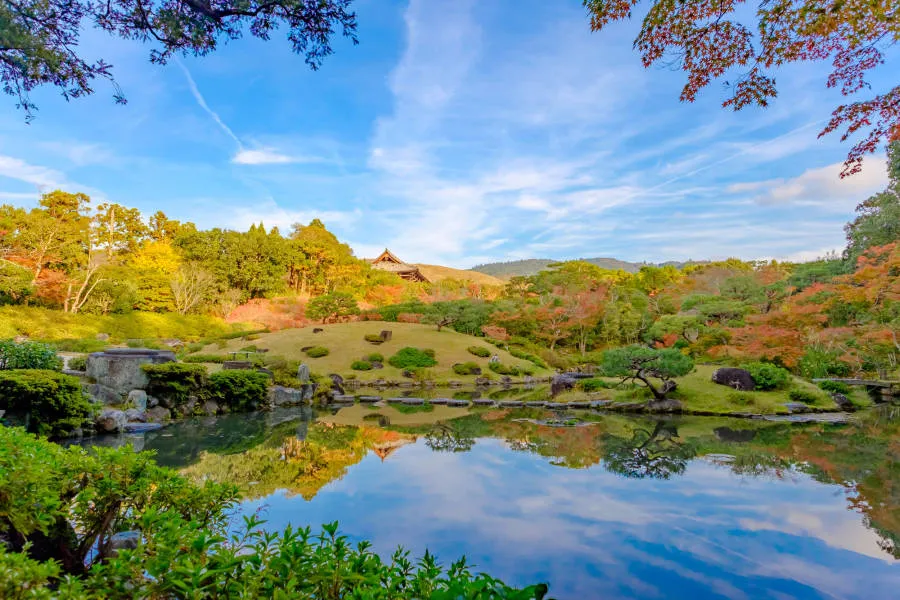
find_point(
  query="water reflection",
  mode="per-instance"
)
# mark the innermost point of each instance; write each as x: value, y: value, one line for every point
x: 599, y: 505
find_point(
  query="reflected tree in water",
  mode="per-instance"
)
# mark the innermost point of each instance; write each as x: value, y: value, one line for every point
x: 658, y: 453
x: 449, y: 437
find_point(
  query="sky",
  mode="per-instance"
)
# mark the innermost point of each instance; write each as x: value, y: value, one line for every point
x: 457, y: 132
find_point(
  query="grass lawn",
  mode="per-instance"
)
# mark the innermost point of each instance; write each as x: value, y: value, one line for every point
x: 346, y: 344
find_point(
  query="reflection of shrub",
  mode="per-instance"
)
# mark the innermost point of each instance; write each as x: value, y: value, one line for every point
x: 835, y: 387
x: 374, y: 338
x: 479, y: 351
x: 804, y: 396
x: 238, y: 390
x: 317, y: 352
x: 767, y: 376
x: 408, y: 358
x: 54, y: 403
x: 361, y: 365
x: 467, y: 368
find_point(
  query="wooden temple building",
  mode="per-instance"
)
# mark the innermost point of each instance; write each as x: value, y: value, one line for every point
x: 388, y: 261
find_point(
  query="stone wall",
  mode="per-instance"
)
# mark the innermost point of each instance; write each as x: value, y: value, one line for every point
x: 117, y: 371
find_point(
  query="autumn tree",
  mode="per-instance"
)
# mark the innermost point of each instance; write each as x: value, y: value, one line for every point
x: 710, y: 39
x: 39, y: 39
x: 332, y: 307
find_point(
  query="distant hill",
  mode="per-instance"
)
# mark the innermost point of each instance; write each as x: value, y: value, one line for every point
x: 531, y: 266
x: 437, y: 273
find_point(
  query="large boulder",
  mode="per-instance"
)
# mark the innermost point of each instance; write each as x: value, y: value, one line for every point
x: 337, y: 383
x: 159, y: 414
x: 117, y: 371
x: 284, y: 396
x: 562, y: 383
x: 739, y: 379
x: 110, y: 420
x: 138, y: 399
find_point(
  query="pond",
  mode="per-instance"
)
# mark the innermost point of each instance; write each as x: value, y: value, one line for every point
x: 599, y: 506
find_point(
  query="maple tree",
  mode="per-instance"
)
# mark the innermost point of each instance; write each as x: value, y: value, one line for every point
x: 709, y: 40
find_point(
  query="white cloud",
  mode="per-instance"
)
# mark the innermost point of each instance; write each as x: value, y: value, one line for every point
x: 273, y: 215
x: 42, y: 177
x: 262, y: 156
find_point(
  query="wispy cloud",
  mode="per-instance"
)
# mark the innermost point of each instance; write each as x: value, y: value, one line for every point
x: 41, y: 177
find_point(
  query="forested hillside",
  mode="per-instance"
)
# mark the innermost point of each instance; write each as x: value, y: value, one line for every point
x: 532, y: 266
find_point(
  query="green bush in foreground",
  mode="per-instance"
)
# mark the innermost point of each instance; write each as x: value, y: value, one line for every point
x: 28, y: 355
x: 51, y: 403
x: 767, y: 376
x: 361, y: 365
x: 317, y: 352
x: 412, y: 358
x: 70, y: 501
x: 239, y: 390
x: 479, y: 351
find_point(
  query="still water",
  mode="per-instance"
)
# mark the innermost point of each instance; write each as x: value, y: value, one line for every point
x: 606, y: 507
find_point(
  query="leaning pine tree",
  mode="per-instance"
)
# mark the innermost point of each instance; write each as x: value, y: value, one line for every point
x: 655, y: 369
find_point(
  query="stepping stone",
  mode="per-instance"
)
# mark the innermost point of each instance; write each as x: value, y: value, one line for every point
x: 135, y: 427
x: 511, y: 404
x: 457, y: 402
x: 579, y: 404
x: 536, y: 404
x: 346, y: 399
x: 369, y: 399
x: 413, y: 401
x: 440, y: 400
x: 599, y: 403
x: 395, y: 400
x: 556, y: 405
x: 483, y: 402
x: 797, y: 407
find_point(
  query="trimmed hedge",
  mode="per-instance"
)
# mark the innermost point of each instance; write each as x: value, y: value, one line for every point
x: 594, y: 385
x: 205, y: 358
x: 52, y: 404
x: 835, y: 387
x: 239, y: 390
x: 374, y: 357
x: 412, y: 358
x: 374, y: 338
x: 767, y: 376
x: 467, y: 368
x: 361, y: 365
x: 317, y: 352
x: 804, y: 396
x: 174, y: 383
x: 479, y: 351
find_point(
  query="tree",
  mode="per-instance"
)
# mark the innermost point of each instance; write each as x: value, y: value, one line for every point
x: 706, y: 39
x: 640, y: 364
x: 162, y: 228
x: 656, y: 454
x: 39, y: 38
x: 331, y: 307
x: 117, y: 228
x: 878, y: 218
x: 190, y: 287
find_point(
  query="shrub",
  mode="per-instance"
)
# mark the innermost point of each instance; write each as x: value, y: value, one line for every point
x: 467, y: 368
x: 28, y: 355
x: 238, y: 390
x: 594, y: 385
x: 835, y: 387
x: 86, y: 345
x: 251, y: 348
x: 205, y: 358
x: 817, y: 363
x: 375, y: 357
x: 175, y: 382
x: 51, y: 403
x: 78, y: 363
x: 502, y: 369
x: 535, y: 360
x: 804, y: 396
x: 410, y: 358
x: 330, y: 307
x: 429, y: 352
x: 374, y: 338
x: 361, y: 365
x: 317, y: 352
x: 767, y: 376
x: 479, y: 351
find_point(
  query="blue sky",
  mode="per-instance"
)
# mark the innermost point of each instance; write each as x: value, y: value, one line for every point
x: 457, y: 132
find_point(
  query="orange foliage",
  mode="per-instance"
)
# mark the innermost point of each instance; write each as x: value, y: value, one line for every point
x: 495, y: 332
x: 409, y: 318
x: 275, y: 313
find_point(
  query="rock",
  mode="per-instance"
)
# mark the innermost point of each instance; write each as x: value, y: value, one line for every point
x: 457, y: 402
x: 303, y: 373
x: 483, y: 402
x: 561, y: 383
x: 318, y: 330
x: 386, y: 335
x: 600, y: 403
x: 158, y: 414
x: 369, y: 399
x: 796, y: 407
x: 495, y: 359
x: 667, y: 405
x: 395, y: 400
x: 536, y: 404
x: 556, y: 405
x: 377, y: 365
x: 210, y: 407
x: 739, y: 379
x: 528, y: 380
x: 124, y: 540
x: 482, y: 381
x: 187, y: 409
x: 237, y: 365
x: 843, y: 402
x: 110, y: 420
x: 141, y: 427
x: 173, y: 343
x: 305, y: 348
x: 135, y: 415
x: 138, y: 399
x: 19, y: 339
x: 506, y: 379
x: 152, y: 402
x: 117, y: 371
x: 343, y: 399
x: 510, y: 404
x: 413, y: 401
x: 285, y: 396
x: 102, y: 337
x: 580, y: 404
x: 408, y: 374
x: 439, y: 400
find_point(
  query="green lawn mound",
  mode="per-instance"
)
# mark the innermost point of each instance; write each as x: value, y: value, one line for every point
x: 346, y: 344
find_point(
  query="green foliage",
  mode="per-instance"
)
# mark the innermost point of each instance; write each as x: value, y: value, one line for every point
x: 595, y: 385
x: 642, y: 364
x: 237, y: 389
x: 835, y: 387
x: 15, y: 283
x: 332, y: 307
x: 479, y: 351
x: 78, y: 363
x: 361, y: 365
x: 175, y: 382
x: 878, y: 218
x: 535, y: 360
x: 317, y: 352
x: 411, y: 358
x: 804, y: 396
x: 51, y: 403
x: 824, y: 270
x: 817, y: 363
x: 511, y: 370
x: 467, y: 368
x: 205, y: 358
x: 375, y: 357
x: 374, y: 338
x: 28, y: 355
x: 87, y: 345
x: 767, y: 376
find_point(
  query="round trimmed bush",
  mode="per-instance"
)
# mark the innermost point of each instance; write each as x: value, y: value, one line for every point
x: 767, y: 376
x: 240, y: 390
x: 361, y: 365
x: 479, y: 351
x: 411, y: 358
x: 374, y: 338
x: 317, y: 352
x: 835, y: 387
x: 467, y: 368
x: 374, y: 357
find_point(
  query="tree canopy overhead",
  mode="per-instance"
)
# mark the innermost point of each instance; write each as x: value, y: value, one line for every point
x: 39, y: 38
x: 707, y: 39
